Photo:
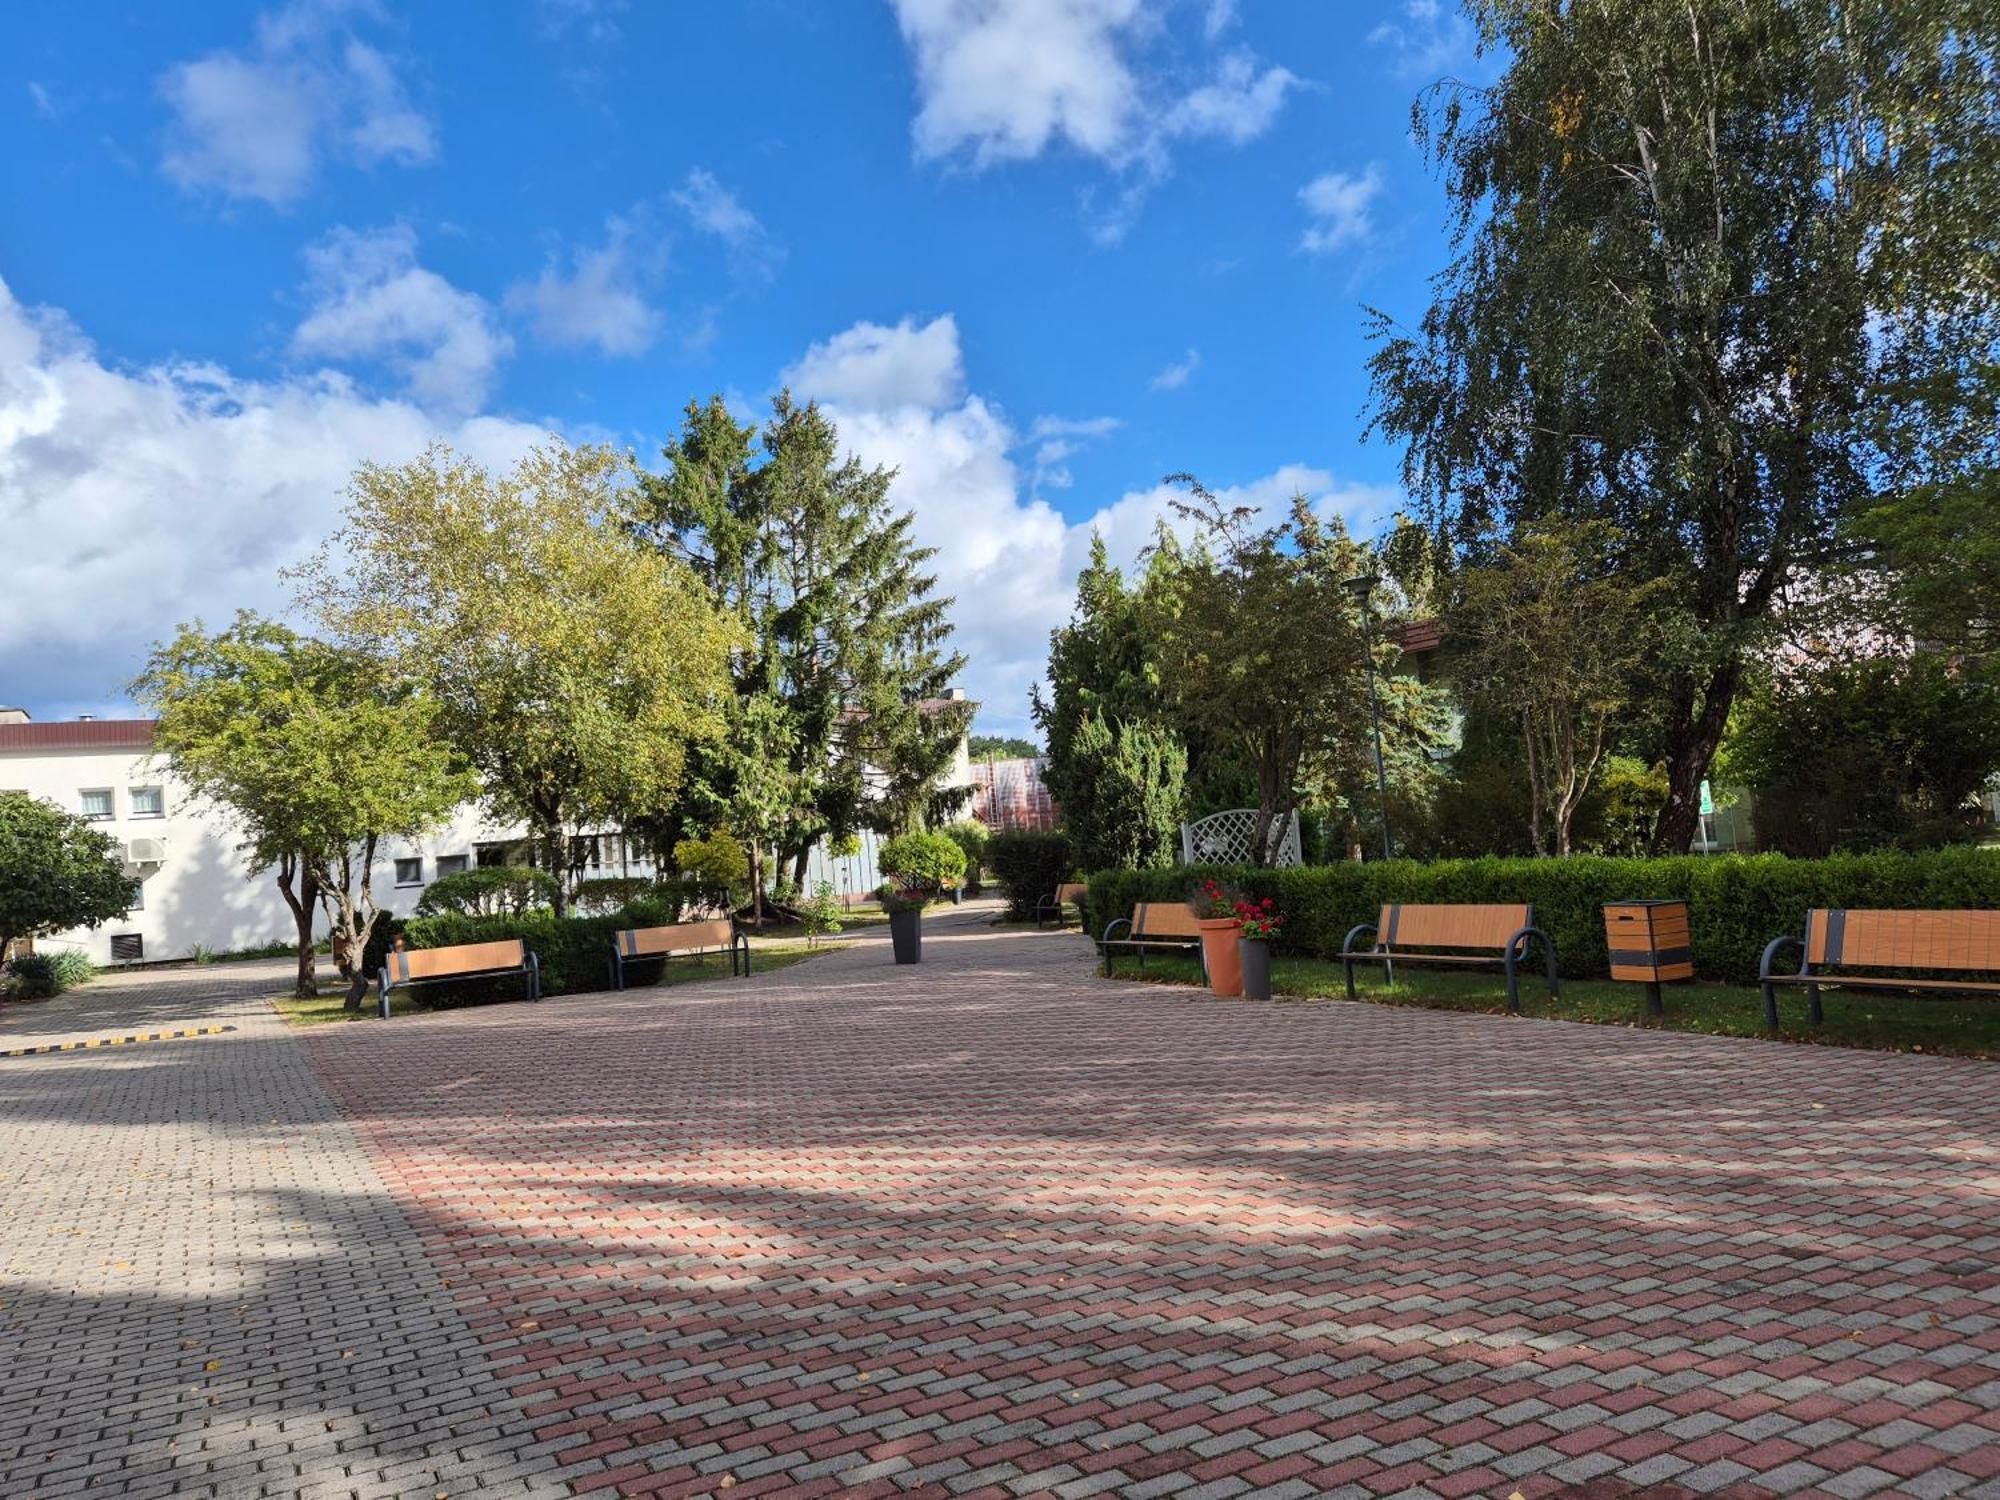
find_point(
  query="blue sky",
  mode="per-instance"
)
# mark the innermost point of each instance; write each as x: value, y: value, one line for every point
x: 1036, y: 253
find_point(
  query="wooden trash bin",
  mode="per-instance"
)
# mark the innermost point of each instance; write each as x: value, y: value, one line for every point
x: 1649, y: 945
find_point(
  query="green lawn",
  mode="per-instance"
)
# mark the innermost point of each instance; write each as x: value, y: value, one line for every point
x: 766, y: 956
x: 1967, y: 1026
x: 779, y: 932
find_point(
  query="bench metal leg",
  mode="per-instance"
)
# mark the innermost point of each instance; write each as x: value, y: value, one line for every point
x: 1813, y: 1007
x: 1347, y: 968
x: 1770, y: 994
x: 1513, y: 986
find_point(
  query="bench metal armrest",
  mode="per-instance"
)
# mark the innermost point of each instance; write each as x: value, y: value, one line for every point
x: 1347, y: 943
x: 1516, y: 950
x: 383, y: 983
x: 1104, y: 943
x: 1771, y: 951
x: 533, y: 965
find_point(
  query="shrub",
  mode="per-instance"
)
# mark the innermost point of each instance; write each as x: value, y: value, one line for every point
x: 822, y: 914
x: 34, y: 976
x: 488, y: 891
x: 714, y: 870
x: 1030, y: 866
x: 72, y: 968
x: 972, y: 836
x: 920, y: 866
x: 610, y: 893
x: 1736, y: 903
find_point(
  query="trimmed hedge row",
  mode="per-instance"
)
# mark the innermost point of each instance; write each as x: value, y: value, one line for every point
x: 1736, y: 903
x: 574, y: 951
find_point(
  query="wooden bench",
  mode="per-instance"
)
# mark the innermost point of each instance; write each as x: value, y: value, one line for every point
x: 1451, y: 936
x: 693, y: 939
x: 1963, y: 942
x: 1050, y: 908
x: 414, y: 966
x: 1154, y: 924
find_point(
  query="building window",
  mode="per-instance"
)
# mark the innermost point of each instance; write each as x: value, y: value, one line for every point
x: 138, y: 902
x: 97, y: 803
x: 409, y: 872
x: 452, y: 864
x: 127, y: 947
x: 148, y: 802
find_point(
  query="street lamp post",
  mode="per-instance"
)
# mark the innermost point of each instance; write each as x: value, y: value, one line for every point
x: 1361, y: 588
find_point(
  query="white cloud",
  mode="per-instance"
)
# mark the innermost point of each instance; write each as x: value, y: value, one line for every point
x: 1429, y: 42
x: 1057, y: 438
x: 1177, y: 374
x: 601, y: 300
x: 1237, y: 105
x: 372, y: 301
x: 713, y: 209
x: 1341, y: 208
x: 258, y: 123
x: 136, y: 498
x: 871, y: 367
x: 44, y: 101
x: 1008, y: 558
x: 1007, y: 80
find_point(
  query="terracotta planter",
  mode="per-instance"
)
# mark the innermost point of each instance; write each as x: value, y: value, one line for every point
x: 1218, y: 951
x: 1255, y: 955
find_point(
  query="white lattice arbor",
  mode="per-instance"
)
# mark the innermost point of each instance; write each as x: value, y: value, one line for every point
x: 1230, y: 838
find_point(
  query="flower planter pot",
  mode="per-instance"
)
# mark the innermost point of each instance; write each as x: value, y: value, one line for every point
x: 1254, y: 955
x: 906, y: 936
x: 1218, y: 951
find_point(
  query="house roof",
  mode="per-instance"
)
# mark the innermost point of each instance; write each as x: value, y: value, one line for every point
x: 1418, y: 636
x: 78, y: 734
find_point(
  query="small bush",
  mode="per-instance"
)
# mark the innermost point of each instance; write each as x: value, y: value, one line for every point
x: 715, y: 871
x: 1030, y: 866
x: 34, y: 976
x: 972, y: 836
x: 72, y: 968
x: 610, y: 893
x: 1736, y: 903
x: 488, y: 891
x: 920, y: 867
x: 821, y: 915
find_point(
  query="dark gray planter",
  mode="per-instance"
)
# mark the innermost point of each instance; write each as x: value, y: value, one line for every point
x: 906, y: 936
x: 1255, y: 956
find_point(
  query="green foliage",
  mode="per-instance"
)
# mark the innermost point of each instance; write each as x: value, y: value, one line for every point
x: 318, y: 752
x: 72, y: 968
x: 1030, y: 866
x: 1736, y: 904
x: 844, y: 846
x: 921, y: 866
x: 56, y: 871
x: 570, y: 666
x: 1001, y: 747
x: 1549, y: 636
x: 1129, y: 783
x: 972, y: 836
x: 821, y: 915
x: 846, y: 661
x: 1708, y: 256
x: 489, y: 891
x: 714, y: 870
x: 1874, y: 754
x: 32, y: 976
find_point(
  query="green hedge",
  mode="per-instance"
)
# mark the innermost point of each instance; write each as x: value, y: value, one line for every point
x: 1029, y: 866
x: 1736, y: 904
x: 574, y: 951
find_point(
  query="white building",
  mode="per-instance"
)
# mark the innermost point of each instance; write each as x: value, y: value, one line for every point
x: 192, y: 886
x: 190, y: 880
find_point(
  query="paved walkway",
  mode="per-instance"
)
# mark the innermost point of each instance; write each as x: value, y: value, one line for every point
x: 993, y: 1227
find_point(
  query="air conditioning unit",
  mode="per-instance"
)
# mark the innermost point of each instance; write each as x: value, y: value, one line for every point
x: 146, y: 852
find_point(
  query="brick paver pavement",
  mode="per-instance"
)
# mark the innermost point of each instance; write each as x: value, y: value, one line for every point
x: 206, y: 1289
x: 993, y: 1227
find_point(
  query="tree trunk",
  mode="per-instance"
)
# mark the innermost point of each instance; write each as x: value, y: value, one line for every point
x: 1534, y: 786
x: 1691, y: 743
x: 304, y: 902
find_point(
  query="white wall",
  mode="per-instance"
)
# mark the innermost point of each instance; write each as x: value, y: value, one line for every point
x: 201, y: 894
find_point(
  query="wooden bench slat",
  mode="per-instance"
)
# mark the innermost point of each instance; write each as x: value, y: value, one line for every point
x: 1405, y: 925
x: 1163, y: 919
x: 1887, y: 939
x: 461, y: 958
x: 675, y: 937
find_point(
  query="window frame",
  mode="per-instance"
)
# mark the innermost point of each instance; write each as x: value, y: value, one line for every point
x: 459, y: 864
x: 159, y: 794
x: 418, y: 879
x: 110, y: 795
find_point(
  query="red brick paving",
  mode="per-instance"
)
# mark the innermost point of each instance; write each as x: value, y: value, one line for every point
x: 991, y: 1225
